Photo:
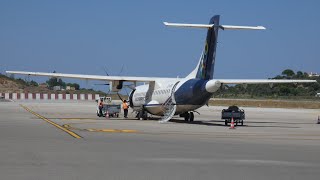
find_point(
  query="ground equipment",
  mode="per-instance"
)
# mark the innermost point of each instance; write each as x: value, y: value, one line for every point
x: 234, y: 112
x: 113, y: 110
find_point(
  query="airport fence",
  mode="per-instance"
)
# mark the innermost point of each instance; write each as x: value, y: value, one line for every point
x: 48, y: 96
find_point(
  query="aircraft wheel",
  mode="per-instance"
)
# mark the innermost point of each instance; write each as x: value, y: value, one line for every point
x: 186, y: 117
x: 139, y: 115
x: 191, y: 116
x: 145, y: 115
x: 226, y: 122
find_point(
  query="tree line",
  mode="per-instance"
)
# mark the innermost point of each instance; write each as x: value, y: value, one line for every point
x: 51, y: 82
x: 306, y: 90
x: 58, y: 82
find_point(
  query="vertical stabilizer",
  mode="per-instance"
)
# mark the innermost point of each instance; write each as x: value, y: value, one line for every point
x: 206, y: 65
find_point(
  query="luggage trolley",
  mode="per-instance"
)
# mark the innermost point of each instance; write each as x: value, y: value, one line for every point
x: 112, y: 109
x: 234, y: 112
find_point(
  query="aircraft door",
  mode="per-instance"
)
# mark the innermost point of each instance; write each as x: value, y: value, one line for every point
x: 131, y: 98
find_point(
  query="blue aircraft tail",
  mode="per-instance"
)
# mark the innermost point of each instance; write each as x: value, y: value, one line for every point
x: 205, y: 67
x: 207, y: 60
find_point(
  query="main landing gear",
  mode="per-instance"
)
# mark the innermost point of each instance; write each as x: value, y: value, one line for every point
x: 188, y: 116
x: 142, y: 115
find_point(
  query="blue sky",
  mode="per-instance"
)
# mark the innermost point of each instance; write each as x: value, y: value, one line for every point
x: 86, y: 37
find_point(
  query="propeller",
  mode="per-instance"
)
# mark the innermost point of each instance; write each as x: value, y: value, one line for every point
x: 104, y: 84
x: 130, y: 86
x: 105, y: 70
x: 119, y: 97
x: 121, y: 70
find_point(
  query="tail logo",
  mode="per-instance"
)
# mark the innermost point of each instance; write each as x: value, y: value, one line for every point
x: 203, y: 64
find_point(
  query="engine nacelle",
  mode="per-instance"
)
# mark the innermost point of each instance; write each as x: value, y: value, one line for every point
x: 213, y: 86
x: 115, y: 86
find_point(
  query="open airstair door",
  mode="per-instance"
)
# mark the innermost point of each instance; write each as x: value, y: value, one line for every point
x: 169, y: 106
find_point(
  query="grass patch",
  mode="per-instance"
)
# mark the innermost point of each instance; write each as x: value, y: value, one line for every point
x: 266, y: 103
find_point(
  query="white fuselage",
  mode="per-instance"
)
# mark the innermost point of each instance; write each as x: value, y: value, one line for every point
x: 151, y: 97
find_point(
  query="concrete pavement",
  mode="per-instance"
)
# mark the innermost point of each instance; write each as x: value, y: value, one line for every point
x: 273, y: 144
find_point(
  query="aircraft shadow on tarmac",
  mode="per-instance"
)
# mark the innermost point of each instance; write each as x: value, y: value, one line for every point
x: 273, y: 122
x: 199, y: 122
x: 221, y: 123
x: 216, y: 122
x: 206, y: 123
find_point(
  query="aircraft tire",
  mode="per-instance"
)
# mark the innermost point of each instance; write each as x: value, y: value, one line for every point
x: 186, y: 117
x: 139, y: 116
x: 191, y: 116
x: 145, y: 115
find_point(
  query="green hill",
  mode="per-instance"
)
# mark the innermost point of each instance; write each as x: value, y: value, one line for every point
x: 278, y: 91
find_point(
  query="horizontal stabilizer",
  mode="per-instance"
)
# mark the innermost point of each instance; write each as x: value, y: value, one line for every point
x: 223, y: 27
x: 189, y: 25
x: 227, y: 27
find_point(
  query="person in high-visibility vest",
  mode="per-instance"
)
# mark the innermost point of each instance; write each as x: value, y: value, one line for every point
x: 125, y: 108
x: 100, y: 107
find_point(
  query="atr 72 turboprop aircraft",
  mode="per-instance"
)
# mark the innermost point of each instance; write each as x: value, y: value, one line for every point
x: 167, y: 97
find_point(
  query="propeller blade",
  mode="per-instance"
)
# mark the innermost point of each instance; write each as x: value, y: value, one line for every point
x: 130, y: 86
x: 119, y: 97
x: 106, y: 71
x: 103, y: 84
x: 121, y: 70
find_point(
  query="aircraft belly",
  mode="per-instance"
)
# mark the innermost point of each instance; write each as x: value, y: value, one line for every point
x: 158, y: 110
x: 155, y: 110
x: 185, y: 108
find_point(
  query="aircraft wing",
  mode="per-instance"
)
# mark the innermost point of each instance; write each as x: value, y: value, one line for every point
x: 90, y: 77
x: 263, y: 81
x: 115, y: 82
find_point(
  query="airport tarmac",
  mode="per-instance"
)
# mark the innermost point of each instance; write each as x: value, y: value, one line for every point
x: 66, y: 140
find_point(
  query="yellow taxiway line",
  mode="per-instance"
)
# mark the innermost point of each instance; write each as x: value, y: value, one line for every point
x: 71, y: 133
x: 113, y: 130
x: 69, y: 126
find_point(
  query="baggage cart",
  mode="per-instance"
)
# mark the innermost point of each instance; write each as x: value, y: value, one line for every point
x: 112, y: 109
x: 234, y: 112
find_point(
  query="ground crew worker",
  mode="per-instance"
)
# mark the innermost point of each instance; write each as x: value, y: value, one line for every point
x: 100, y: 107
x: 125, y: 108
